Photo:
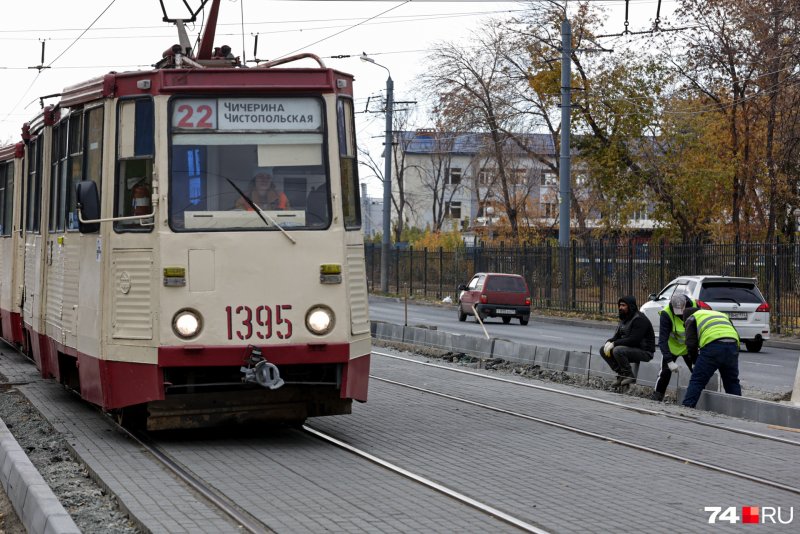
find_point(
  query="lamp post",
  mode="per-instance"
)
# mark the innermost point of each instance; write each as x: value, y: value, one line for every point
x: 387, y: 179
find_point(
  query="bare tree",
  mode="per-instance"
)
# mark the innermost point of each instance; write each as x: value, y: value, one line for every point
x: 474, y: 89
x: 400, y: 201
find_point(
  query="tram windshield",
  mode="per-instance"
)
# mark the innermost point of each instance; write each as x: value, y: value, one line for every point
x: 272, y: 149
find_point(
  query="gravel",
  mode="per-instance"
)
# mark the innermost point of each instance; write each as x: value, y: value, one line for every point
x: 92, y: 509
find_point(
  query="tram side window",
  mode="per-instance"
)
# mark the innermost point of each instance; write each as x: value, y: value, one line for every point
x: 58, y: 177
x: 135, y: 154
x: 351, y: 207
x: 94, y: 146
x: 6, y: 197
x: 34, y: 187
x: 74, y: 166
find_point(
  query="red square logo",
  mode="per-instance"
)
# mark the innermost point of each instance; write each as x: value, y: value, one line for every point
x: 749, y: 514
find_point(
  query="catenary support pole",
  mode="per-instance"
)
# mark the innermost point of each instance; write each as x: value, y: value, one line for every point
x: 387, y: 189
x: 564, y: 162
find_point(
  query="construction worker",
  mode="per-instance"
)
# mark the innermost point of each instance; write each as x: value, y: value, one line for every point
x: 634, y: 341
x: 671, y: 341
x: 714, y: 343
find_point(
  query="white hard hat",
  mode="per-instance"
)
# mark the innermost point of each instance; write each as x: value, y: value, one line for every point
x: 678, y: 303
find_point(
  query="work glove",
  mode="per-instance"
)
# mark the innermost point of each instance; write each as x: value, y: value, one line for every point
x: 672, y: 366
x: 607, y: 348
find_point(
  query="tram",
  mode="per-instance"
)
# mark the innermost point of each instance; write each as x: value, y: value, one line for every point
x: 147, y: 266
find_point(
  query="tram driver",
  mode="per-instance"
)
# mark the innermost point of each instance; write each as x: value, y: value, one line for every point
x: 265, y: 194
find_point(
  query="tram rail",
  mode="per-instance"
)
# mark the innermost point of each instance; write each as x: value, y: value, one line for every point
x: 604, y: 437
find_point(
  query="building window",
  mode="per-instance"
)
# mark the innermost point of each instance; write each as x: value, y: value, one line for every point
x: 453, y: 175
x: 549, y: 210
x: 453, y: 210
x: 548, y: 178
x: 486, y: 176
x: 519, y: 176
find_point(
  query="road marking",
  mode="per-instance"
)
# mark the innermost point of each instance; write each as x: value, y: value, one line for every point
x: 766, y: 364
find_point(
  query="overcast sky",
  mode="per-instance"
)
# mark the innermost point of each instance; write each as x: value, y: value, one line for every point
x: 130, y: 35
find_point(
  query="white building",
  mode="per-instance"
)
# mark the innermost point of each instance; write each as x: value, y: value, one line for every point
x: 452, y: 179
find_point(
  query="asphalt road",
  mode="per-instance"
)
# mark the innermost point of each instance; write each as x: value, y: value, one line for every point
x: 772, y: 370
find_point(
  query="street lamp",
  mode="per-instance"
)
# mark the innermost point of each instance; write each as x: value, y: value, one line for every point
x: 387, y: 178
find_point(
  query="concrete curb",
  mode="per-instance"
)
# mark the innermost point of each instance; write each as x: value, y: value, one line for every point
x: 779, y: 343
x: 35, y: 503
x: 579, y: 363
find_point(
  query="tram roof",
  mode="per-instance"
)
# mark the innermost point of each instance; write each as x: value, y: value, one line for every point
x: 209, y: 81
x: 16, y: 150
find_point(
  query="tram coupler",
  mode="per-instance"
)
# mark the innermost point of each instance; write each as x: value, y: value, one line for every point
x: 260, y: 371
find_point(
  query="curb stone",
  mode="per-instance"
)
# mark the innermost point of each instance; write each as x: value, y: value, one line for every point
x: 34, y: 501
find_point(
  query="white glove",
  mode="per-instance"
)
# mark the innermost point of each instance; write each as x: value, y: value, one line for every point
x: 672, y: 366
x: 607, y: 348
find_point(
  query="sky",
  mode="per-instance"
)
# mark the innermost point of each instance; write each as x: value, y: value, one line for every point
x: 124, y: 35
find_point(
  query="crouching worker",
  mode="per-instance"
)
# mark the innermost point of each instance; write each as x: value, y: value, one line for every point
x: 713, y: 342
x: 671, y: 341
x: 634, y: 341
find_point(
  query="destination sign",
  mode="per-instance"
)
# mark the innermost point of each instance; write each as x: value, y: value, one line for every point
x: 227, y: 114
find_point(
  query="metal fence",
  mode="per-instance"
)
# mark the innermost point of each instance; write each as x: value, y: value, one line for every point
x: 590, y: 278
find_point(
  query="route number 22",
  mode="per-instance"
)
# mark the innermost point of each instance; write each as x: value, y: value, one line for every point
x: 195, y: 115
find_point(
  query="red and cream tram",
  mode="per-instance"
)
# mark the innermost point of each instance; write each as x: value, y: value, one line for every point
x: 186, y: 240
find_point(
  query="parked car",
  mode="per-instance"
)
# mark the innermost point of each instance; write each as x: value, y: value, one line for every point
x: 735, y: 296
x: 495, y: 295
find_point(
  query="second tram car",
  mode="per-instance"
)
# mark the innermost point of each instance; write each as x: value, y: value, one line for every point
x: 147, y: 265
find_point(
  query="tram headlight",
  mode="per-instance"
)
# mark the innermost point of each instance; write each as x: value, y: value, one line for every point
x: 187, y: 323
x: 320, y: 320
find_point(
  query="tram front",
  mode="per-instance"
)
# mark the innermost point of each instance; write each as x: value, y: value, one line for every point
x: 262, y: 299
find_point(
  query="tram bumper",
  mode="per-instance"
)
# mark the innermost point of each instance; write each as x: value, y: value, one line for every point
x: 288, y: 405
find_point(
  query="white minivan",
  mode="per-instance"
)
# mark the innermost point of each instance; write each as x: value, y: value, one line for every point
x: 738, y: 297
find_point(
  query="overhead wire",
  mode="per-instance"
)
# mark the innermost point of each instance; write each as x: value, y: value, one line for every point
x: 36, y: 78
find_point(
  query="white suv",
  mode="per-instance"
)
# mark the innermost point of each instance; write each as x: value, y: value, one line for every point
x: 735, y: 296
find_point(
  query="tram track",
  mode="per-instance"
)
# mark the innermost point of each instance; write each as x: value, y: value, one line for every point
x: 224, y: 504
x: 458, y: 496
x: 253, y: 525
x: 596, y: 435
x: 637, y: 409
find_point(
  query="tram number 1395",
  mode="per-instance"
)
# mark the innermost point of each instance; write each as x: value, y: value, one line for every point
x: 263, y: 322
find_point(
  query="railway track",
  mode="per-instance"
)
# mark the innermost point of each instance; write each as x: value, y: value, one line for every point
x: 795, y: 489
x: 220, y: 501
x: 253, y: 525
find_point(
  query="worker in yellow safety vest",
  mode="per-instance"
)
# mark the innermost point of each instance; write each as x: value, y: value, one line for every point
x: 712, y: 338
x: 671, y: 341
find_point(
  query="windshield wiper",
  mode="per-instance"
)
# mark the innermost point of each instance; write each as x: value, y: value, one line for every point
x: 731, y: 299
x: 261, y: 213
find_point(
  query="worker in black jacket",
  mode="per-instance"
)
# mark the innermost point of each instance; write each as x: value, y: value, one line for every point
x: 634, y: 341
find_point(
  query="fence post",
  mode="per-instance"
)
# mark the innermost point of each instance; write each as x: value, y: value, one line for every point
x: 630, y: 266
x: 574, y: 274
x: 777, y: 285
x: 602, y: 275
x: 441, y: 272
x: 662, y: 264
x: 411, y: 270
x: 548, y: 275
x: 397, y: 268
x: 425, y: 272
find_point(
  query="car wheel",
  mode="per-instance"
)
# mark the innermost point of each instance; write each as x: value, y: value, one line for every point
x: 523, y: 321
x: 506, y: 320
x: 754, y: 345
x: 461, y: 315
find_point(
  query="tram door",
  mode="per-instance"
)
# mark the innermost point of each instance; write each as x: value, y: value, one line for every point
x: 132, y: 312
